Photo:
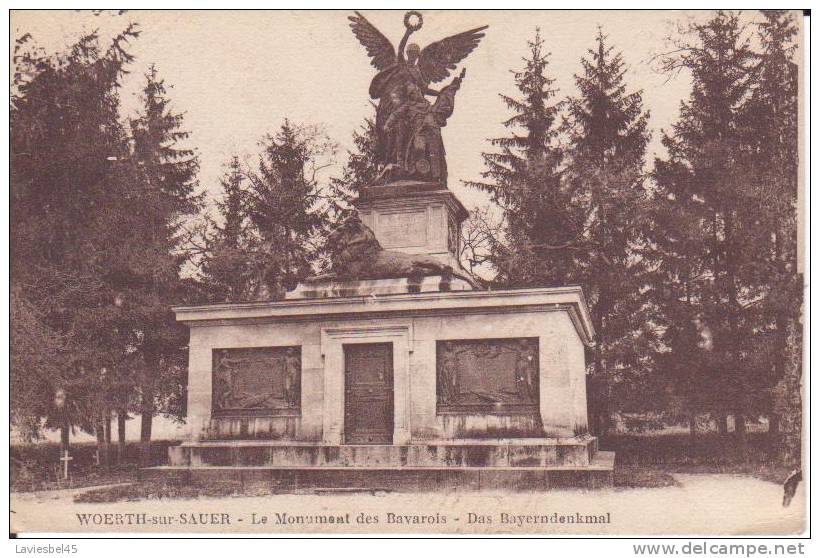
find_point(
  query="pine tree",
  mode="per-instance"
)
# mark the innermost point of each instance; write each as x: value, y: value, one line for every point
x: 523, y: 177
x: 703, y: 226
x: 771, y: 122
x: 65, y: 133
x: 232, y: 206
x: 225, y: 265
x: 360, y: 170
x: 607, y: 129
x: 35, y: 363
x: 148, y: 274
x: 66, y: 137
x: 283, y: 209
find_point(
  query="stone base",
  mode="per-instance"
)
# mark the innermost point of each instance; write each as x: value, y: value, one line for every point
x: 334, y: 289
x: 598, y: 474
x: 415, y: 218
x: 522, y: 452
x: 398, y: 189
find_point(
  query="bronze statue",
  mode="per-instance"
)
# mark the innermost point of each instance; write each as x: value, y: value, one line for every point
x: 409, y: 142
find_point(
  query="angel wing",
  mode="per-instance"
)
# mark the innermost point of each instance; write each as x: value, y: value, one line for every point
x: 439, y: 58
x: 379, y: 47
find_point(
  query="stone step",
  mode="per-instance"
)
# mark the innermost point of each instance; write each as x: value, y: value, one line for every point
x: 599, y: 474
x: 538, y: 454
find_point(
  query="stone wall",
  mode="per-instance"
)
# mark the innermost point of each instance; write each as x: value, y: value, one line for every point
x: 562, y: 397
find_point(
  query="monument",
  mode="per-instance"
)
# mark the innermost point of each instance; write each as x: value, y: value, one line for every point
x: 396, y: 369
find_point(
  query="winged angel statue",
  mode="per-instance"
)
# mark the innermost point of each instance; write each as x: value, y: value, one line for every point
x: 408, y: 126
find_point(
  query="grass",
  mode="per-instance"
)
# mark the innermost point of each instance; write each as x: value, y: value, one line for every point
x: 37, y: 466
x: 162, y: 490
x: 635, y: 476
x: 709, y: 453
x: 627, y: 477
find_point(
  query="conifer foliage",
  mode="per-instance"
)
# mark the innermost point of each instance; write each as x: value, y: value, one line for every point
x: 523, y: 177
x: 97, y: 211
x: 284, y: 208
x: 163, y: 196
x: 705, y: 227
x: 224, y: 267
x: 272, y: 218
x: 723, y: 226
x: 66, y: 140
x: 772, y: 122
x: 573, y: 210
x: 361, y: 169
x: 607, y: 134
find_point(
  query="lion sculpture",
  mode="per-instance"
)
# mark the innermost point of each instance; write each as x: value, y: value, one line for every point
x: 356, y: 254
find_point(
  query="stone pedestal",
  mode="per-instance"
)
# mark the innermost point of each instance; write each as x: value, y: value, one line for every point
x: 450, y: 385
x: 414, y: 218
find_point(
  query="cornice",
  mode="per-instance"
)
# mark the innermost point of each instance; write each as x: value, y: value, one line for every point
x: 569, y: 299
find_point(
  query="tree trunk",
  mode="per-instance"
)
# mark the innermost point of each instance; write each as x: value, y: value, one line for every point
x: 604, y: 406
x: 793, y: 405
x: 773, y: 436
x: 107, y: 427
x: 121, y: 417
x: 742, y: 438
x: 774, y: 427
x: 146, y: 422
x: 99, y: 430
x: 598, y: 405
x: 65, y: 435
x: 774, y: 424
x: 693, y: 427
x: 722, y: 424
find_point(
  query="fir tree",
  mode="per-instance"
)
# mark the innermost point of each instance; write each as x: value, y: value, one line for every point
x: 771, y: 121
x: 361, y: 170
x: 703, y: 227
x: 607, y: 130
x: 66, y: 140
x: 65, y: 133
x: 225, y: 265
x: 283, y: 209
x: 524, y: 178
x: 148, y: 274
x: 232, y: 206
x: 35, y: 364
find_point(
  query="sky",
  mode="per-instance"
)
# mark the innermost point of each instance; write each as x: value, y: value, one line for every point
x: 237, y: 74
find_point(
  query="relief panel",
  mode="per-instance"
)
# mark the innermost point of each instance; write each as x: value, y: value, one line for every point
x: 487, y: 376
x: 257, y: 381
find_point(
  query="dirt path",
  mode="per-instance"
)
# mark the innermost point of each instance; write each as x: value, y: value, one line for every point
x: 701, y: 505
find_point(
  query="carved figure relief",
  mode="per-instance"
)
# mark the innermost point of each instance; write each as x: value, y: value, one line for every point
x: 257, y: 381
x: 487, y: 375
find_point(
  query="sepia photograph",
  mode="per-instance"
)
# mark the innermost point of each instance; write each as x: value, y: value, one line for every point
x: 408, y: 273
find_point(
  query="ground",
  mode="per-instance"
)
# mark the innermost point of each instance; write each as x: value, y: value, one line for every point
x: 37, y: 466
x: 663, y: 484
x: 642, y: 461
x: 698, y: 504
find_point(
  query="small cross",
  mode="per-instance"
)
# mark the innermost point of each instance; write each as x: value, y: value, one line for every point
x: 65, y: 459
x: 97, y: 457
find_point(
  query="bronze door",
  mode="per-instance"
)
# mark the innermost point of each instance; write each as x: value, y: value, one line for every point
x: 369, y: 393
